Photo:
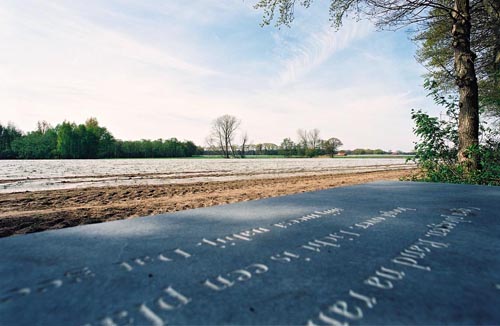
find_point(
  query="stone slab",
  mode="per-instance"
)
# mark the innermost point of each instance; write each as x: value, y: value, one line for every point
x: 379, y: 253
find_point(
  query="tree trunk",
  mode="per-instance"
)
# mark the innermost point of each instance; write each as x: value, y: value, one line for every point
x: 243, y: 149
x: 494, y: 12
x: 468, y: 119
x: 232, y: 150
x: 226, y: 148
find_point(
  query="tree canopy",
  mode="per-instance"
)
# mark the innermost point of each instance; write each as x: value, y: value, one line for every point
x: 84, y: 141
x: 436, y: 53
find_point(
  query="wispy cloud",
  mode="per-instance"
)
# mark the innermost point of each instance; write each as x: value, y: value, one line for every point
x: 316, y: 48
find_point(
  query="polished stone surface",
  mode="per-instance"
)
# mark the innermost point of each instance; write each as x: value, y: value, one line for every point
x: 379, y: 253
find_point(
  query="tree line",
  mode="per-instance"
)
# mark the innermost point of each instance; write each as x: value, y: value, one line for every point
x: 90, y: 141
x: 84, y: 141
x: 222, y: 140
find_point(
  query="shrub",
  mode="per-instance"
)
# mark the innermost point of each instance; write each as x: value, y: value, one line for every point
x: 436, y: 152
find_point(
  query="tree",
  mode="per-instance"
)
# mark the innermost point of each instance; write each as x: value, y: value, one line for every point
x: 303, y: 142
x: 43, y: 126
x: 331, y: 145
x: 244, y: 141
x: 67, y: 140
x: 89, y: 140
x: 8, y: 134
x: 223, y: 132
x: 39, y: 144
x: 190, y: 148
x: 269, y: 148
x: 92, y: 136
x: 287, y: 146
x: 258, y: 149
x: 314, y: 141
x: 107, y: 145
x: 86, y: 142
x: 308, y: 142
x: 397, y: 13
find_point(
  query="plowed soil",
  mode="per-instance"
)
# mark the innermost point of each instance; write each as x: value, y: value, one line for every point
x: 44, y: 210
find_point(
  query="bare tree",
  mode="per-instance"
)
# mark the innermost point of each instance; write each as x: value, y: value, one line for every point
x: 244, y: 141
x: 391, y: 14
x: 303, y: 140
x: 222, y: 134
x: 43, y: 126
x: 313, y: 137
x: 309, y: 141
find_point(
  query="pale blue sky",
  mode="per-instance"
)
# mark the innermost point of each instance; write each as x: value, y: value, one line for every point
x: 164, y: 68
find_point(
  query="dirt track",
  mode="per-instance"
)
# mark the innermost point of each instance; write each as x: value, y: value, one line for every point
x: 43, y: 210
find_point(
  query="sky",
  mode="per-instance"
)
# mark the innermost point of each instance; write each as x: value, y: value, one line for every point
x: 149, y: 69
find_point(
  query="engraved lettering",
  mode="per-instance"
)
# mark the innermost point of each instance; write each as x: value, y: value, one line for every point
x: 225, y: 284
x: 325, y: 243
x: 142, y: 261
x: 364, y: 225
x: 433, y: 244
x: 312, y: 246
x: 244, y: 275
x: 285, y: 256
x: 308, y: 217
x: 370, y: 302
x: 334, y: 236
x: 412, y: 254
x: 350, y: 233
x: 259, y: 268
x: 16, y: 293
x: 327, y: 320
x: 405, y: 261
x: 377, y: 219
x: 150, y: 315
x: 120, y: 318
x: 390, y: 274
x: 169, y: 300
x: 420, y: 249
x: 182, y: 253
x: 227, y: 240
x: 78, y: 275
x: 453, y: 218
x: 388, y: 214
x: 340, y: 307
x: 209, y: 242
x: 221, y: 241
x: 108, y: 322
x: 163, y: 258
x: 384, y: 278
x: 378, y: 283
x: 181, y: 300
x: 316, y: 244
x: 44, y: 286
x: 127, y: 266
x: 237, y: 236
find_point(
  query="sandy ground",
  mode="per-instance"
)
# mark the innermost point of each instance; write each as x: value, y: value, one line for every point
x: 43, y: 210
